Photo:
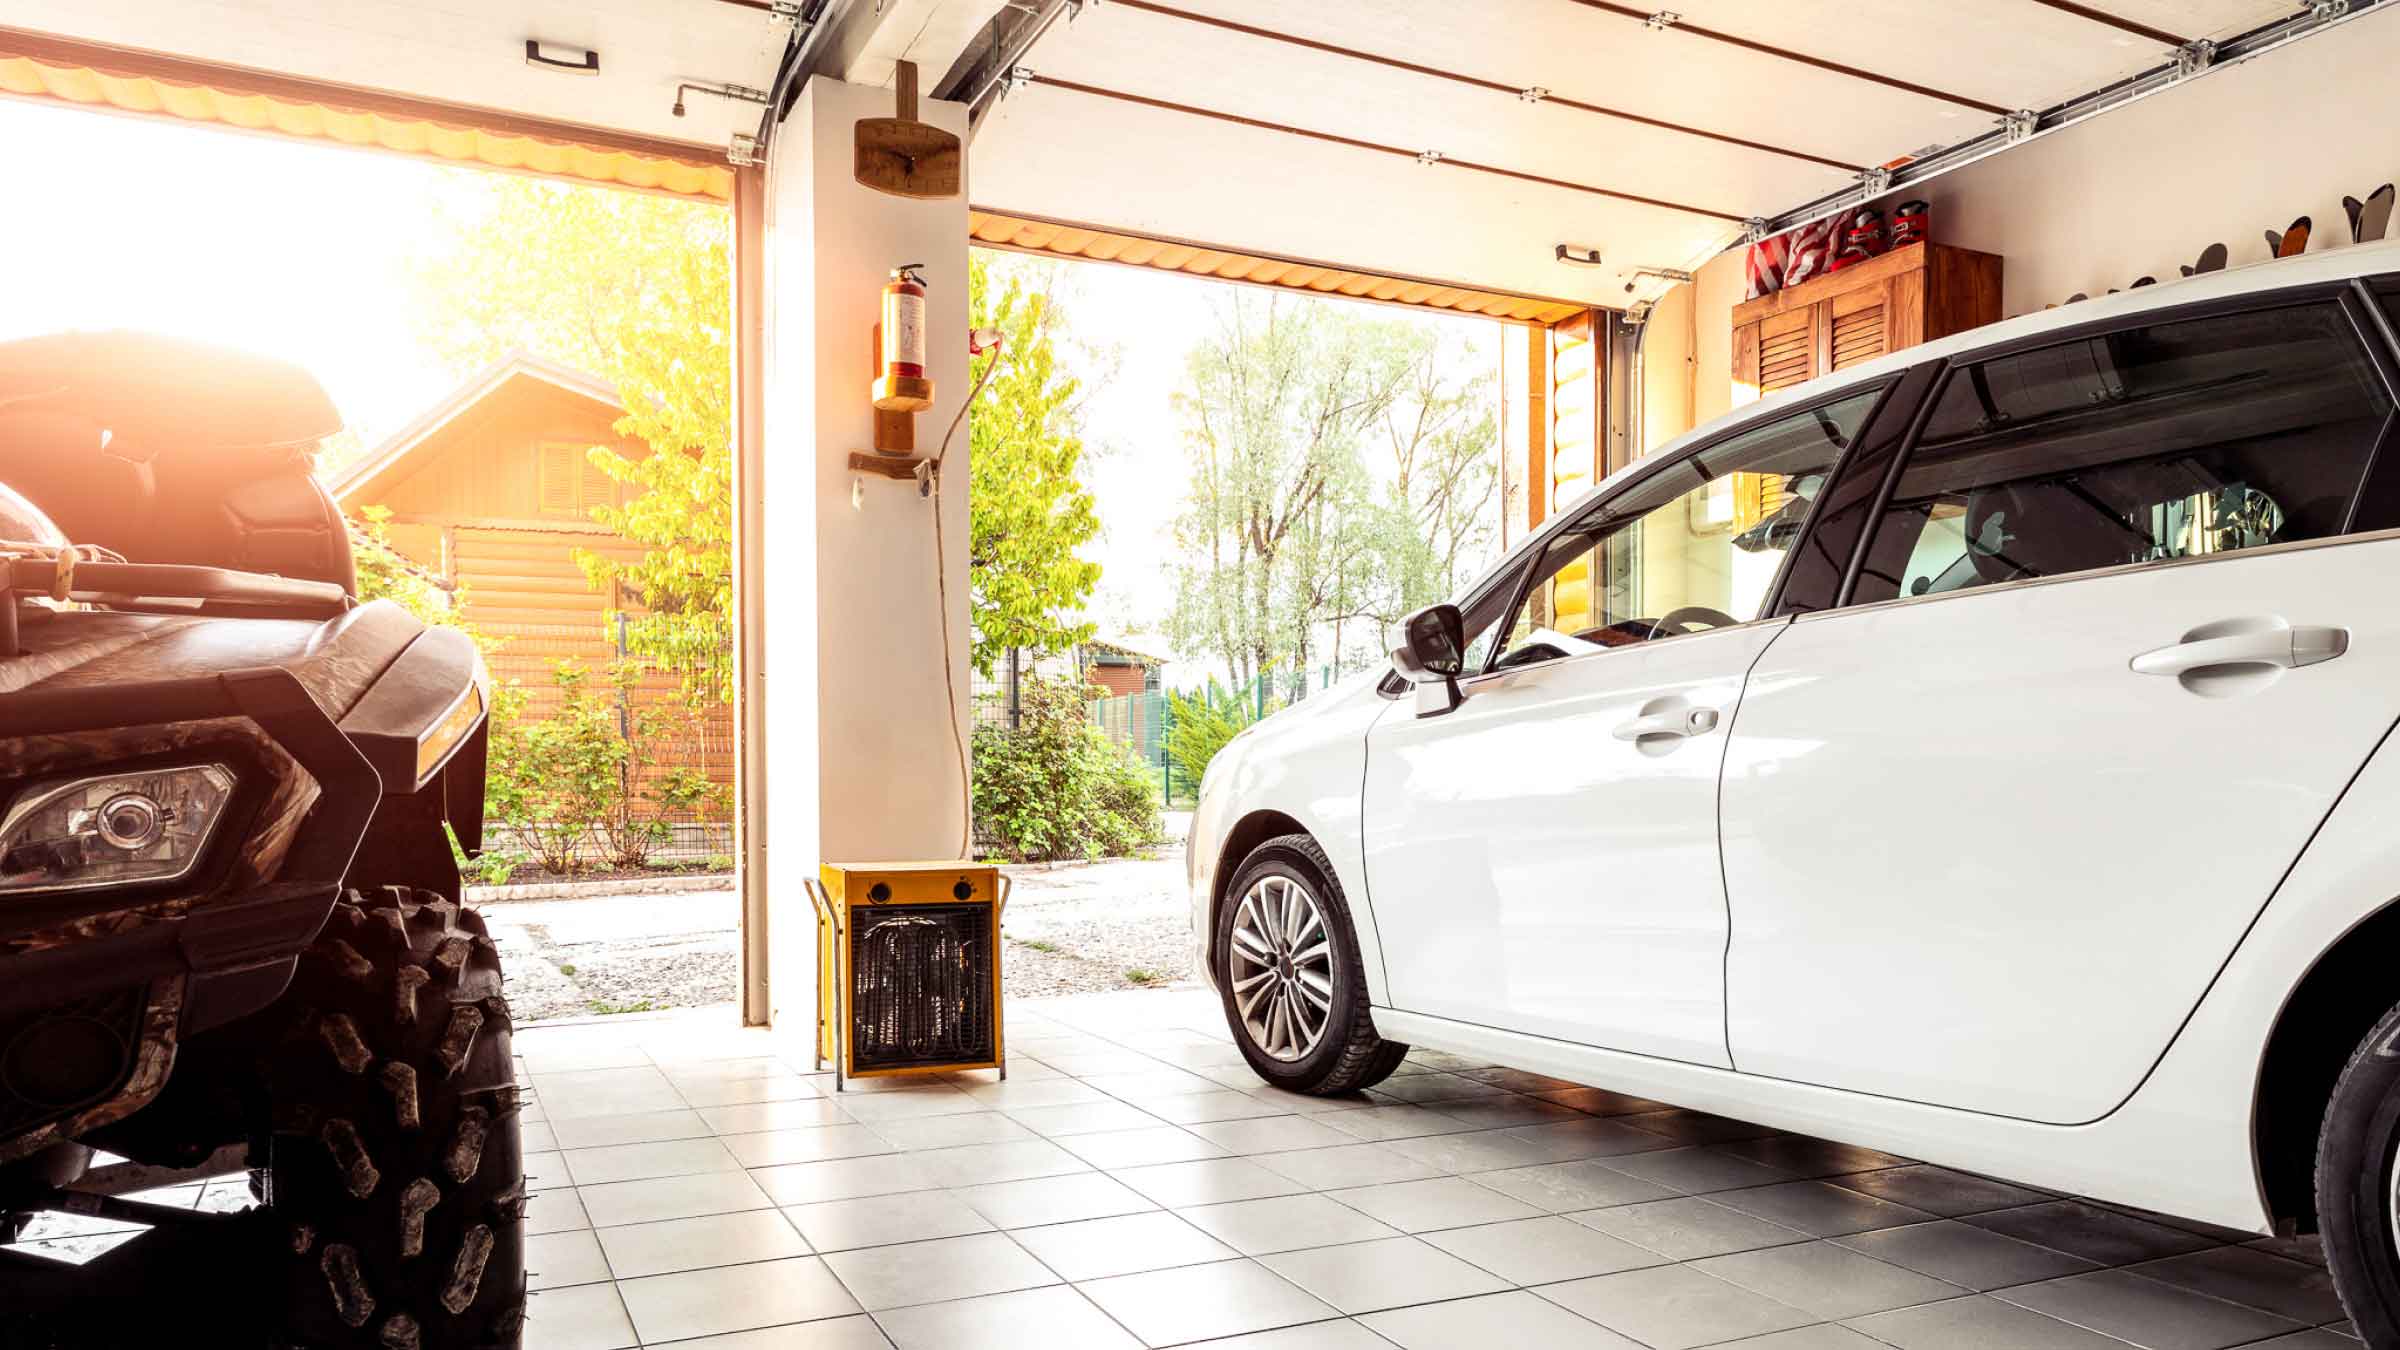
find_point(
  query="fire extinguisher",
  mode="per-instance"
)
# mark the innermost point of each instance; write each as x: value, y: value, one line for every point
x: 900, y: 382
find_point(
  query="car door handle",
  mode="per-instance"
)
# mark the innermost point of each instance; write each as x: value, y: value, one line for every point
x: 2278, y: 646
x: 1689, y: 722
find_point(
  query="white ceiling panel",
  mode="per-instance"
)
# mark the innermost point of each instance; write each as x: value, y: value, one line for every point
x: 2010, y: 53
x: 1093, y: 159
x: 1590, y: 55
x: 1145, y: 171
x: 1231, y: 73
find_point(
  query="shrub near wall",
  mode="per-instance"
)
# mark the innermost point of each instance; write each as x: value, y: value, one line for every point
x: 1055, y: 787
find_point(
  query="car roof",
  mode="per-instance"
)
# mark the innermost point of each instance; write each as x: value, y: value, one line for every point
x: 2259, y: 278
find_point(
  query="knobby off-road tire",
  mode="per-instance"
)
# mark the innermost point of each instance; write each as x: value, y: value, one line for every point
x: 1350, y: 1056
x: 396, y: 1181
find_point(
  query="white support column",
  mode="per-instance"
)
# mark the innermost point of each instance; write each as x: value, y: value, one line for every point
x: 861, y: 762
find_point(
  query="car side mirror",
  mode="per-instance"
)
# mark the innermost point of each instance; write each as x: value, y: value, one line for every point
x: 1432, y: 655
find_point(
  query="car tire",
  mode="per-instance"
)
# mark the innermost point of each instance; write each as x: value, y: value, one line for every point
x: 396, y: 1180
x: 1344, y: 1054
x: 2357, y: 1172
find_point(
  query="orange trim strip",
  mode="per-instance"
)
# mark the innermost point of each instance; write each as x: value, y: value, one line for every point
x: 35, y: 65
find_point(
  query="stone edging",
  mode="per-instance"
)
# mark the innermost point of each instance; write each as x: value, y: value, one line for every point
x: 574, y: 890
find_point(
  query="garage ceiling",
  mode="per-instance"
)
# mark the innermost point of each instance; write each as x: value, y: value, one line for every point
x: 1402, y: 144
x: 1250, y: 125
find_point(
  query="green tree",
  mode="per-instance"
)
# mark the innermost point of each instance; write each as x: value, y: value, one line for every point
x: 636, y: 289
x: 1280, y: 520
x: 1441, y: 437
x: 1028, y: 510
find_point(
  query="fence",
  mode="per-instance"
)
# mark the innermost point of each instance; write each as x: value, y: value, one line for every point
x: 690, y: 839
x: 1140, y: 722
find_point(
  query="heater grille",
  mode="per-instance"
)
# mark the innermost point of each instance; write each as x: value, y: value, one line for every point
x: 921, y: 986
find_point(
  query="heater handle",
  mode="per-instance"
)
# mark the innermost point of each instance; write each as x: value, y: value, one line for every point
x: 824, y: 904
x: 1007, y: 885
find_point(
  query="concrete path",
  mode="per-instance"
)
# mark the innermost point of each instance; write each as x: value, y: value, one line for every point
x: 1071, y: 928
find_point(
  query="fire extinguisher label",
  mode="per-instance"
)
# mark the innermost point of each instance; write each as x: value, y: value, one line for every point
x: 904, y: 334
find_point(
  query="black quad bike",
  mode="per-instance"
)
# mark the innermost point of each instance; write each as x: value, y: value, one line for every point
x: 230, y: 934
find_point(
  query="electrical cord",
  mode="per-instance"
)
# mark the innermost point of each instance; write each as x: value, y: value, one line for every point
x: 930, y: 483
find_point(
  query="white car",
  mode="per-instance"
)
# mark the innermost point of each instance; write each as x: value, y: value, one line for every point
x: 1977, y: 755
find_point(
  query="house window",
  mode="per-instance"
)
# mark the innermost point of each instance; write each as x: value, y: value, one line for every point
x: 571, y: 485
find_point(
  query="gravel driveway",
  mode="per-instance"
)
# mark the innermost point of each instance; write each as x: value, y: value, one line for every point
x: 1071, y: 928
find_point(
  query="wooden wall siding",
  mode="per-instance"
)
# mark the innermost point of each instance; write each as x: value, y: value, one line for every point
x: 487, y: 464
x: 1119, y: 680
x: 473, y: 509
x: 1568, y: 459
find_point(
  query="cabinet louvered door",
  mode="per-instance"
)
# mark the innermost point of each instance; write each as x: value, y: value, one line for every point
x: 1846, y: 319
x: 1787, y: 351
x: 1858, y: 326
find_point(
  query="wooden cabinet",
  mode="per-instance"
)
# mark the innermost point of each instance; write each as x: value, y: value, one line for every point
x: 1850, y: 317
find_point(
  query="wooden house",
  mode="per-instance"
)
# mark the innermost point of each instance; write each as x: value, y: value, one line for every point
x: 491, y: 490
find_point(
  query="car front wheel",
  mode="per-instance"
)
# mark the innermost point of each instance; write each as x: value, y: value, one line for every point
x: 1289, y: 973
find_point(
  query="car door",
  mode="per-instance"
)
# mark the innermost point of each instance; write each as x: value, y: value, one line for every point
x: 1543, y: 857
x: 2118, y: 638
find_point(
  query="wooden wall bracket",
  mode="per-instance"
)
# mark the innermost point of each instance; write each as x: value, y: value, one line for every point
x: 890, y: 466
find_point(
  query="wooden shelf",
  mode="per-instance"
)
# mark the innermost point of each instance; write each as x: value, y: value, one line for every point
x: 1847, y: 318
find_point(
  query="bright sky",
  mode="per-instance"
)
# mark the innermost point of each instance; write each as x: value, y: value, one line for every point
x: 278, y: 246
x: 300, y: 251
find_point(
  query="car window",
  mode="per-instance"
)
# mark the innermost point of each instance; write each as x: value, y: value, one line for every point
x: 1694, y: 547
x: 2174, y: 440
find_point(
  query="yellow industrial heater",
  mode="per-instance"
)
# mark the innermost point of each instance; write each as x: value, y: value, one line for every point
x: 908, y: 968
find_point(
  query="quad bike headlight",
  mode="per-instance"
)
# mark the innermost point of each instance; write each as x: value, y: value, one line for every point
x: 123, y: 829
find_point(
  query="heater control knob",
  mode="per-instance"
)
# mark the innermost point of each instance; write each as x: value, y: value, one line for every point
x: 963, y: 889
x: 879, y: 892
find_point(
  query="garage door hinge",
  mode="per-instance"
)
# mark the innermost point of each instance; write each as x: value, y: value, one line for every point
x: 1014, y: 79
x: 1876, y: 181
x: 742, y: 152
x: 2021, y: 125
x: 1662, y: 21
x: 1075, y: 8
x: 1429, y: 156
x: 2326, y: 11
x: 789, y: 13
x: 1533, y: 95
x: 2193, y: 57
x: 1755, y: 229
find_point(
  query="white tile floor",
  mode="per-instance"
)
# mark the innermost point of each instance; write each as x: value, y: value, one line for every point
x: 1132, y: 1184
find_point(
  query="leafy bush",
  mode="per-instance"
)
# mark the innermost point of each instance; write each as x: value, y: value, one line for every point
x: 491, y: 866
x: 589, y: 773
x: 1127, y: 794
x: 1056, y: 786
x: 1201, y: 725
x: 557, y: 777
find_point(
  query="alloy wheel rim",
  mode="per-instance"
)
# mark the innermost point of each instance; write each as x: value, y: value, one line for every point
x: 2391, y: 1170
x: 1281, y: 968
